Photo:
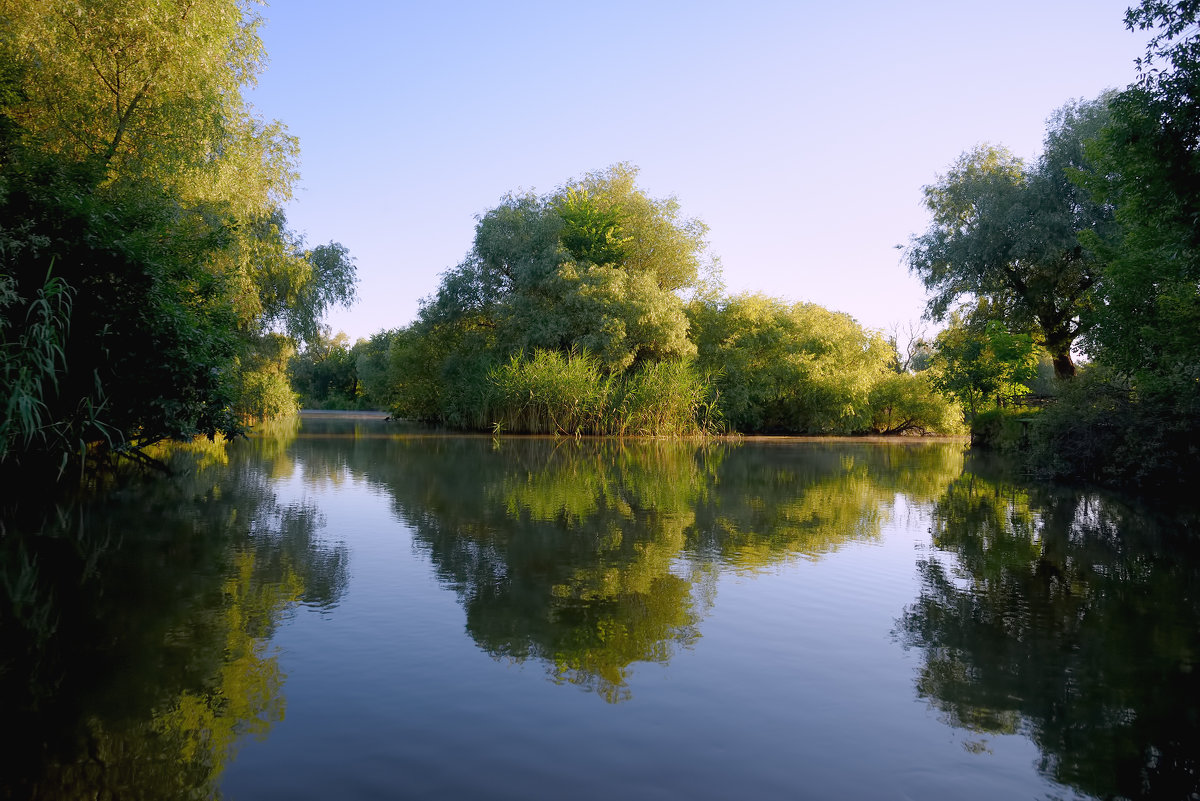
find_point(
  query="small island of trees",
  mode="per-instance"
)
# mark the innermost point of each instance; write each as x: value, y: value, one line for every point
x: 1069, y: 288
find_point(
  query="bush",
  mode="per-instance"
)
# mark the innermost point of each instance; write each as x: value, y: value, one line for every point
x: 1003, y: 429
x: 788, y: 368
x: 1104, y: 431
x: 903, y: 403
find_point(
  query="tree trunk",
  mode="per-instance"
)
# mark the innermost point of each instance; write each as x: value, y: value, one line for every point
x: 1058, y: 344
x: 1063, y: 366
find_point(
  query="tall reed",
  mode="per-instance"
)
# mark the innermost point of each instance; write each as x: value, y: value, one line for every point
x: 552, y: 392
x: 32, y: 360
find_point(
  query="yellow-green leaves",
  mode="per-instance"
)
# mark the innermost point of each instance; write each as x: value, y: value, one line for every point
x: 139, y: 85
x: 132, y: 164
x: 796, y: 368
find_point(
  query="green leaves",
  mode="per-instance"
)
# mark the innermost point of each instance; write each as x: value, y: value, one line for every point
x: 594, y: 268
x: 789, y: 368
x: 591, y: 233
x: 1010, y: 233
x: 981, y: 362
x: 31, y: 360
x: 129, y: 160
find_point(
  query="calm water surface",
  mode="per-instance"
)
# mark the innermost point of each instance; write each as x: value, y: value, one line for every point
x: 350, y: 610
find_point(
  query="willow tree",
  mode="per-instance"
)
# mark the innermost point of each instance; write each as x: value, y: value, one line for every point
x: 784, y: 367
x: 140, y: 190
x: 597, y: 266
x: 1010, y: 233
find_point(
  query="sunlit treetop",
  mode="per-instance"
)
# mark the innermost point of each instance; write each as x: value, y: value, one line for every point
x: 150, y: 89
x: 596, y: 265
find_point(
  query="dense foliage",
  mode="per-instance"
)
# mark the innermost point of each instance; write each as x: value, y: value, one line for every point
x: 1010, y: 234
x: 1097, y: 247
x: 595, y: 310
x: 331, y: 373
x: 781, y: 368
x: 980, y: 362
x: 1149, y: 332
x: 149, y: 285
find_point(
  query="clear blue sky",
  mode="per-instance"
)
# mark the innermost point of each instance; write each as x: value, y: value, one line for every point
x: 801, y: 132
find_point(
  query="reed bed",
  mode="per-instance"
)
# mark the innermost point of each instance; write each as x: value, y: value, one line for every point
x: 569, y: 394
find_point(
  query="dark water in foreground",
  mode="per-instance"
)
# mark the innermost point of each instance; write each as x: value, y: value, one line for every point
x: 352, y: 612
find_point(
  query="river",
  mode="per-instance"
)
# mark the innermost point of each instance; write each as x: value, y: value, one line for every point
x: 350, y: 609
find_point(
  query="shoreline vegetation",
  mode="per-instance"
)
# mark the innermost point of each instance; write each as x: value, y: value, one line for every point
x: 423, y: 429
x: 596, y: 309
x: 151, y: 290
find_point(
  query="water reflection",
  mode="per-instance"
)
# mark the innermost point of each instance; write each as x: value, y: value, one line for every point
x: 136, y: 630
x: 590, y: 556
x: 1070, y: 618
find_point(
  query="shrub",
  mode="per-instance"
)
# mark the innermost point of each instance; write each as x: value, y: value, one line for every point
x: 1103, y: 430
x: 904, y: 403
x: 1004, y: 429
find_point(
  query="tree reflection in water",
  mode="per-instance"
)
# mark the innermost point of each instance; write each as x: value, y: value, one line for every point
x: 592, y: 556
x: 1071, y: 618
x: 136, y: 653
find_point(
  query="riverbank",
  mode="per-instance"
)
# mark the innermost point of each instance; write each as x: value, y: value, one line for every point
x: 351, y: 414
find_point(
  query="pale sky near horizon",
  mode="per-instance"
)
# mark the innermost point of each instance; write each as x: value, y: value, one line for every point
x: 801, y: 133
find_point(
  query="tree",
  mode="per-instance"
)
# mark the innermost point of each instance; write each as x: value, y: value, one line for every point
x: 1010, y: 233
x: 1136, y: 422
x: 978, y: 361
x: 141, y: 192
x: 910, y: 402
x: 597, y: 266
x: 371, y: 358
x: 788, y: 367
x: 1149, y: 157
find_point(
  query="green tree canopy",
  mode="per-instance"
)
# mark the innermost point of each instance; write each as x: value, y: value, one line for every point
x: 789, y: 367
x: 1010, y: 233
x: 597, y: 265
x: 979, y: 362
x: 1149, y: 321
x: 142, y: 195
